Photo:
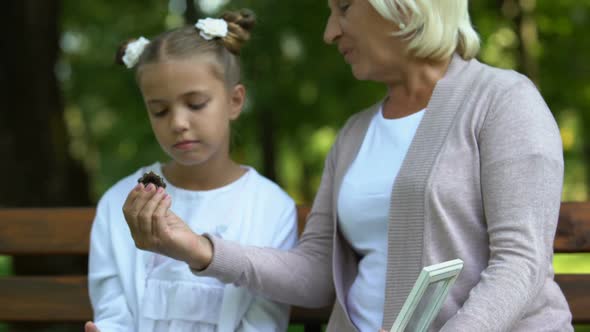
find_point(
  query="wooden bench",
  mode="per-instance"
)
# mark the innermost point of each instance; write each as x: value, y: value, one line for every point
x: 59, y: 231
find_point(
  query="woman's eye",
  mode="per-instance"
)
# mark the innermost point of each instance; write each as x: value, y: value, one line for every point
x: 343, y: 6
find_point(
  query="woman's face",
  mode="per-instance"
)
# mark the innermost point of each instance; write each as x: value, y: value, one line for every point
x: 364, y: 38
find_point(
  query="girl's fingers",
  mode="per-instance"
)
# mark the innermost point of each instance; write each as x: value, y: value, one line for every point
x: 160, y: 214
x: 133, y: 194
x: 143, y: 196
x: 154, y: 196
x: 130, y: 217
x: 90, y: 327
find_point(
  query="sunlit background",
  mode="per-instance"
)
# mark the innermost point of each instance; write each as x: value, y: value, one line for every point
x: 300, y: 91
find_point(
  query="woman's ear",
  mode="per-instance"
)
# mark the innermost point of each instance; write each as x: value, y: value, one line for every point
x: 237, y: 100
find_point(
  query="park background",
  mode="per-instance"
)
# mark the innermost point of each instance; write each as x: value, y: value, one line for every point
x: 73, y: 123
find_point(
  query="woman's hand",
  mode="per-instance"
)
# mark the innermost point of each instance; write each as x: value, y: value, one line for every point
x: 90, y: 327
x: 155, y: 228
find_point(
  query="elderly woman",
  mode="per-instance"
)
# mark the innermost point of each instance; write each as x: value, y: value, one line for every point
x: 459, y: 160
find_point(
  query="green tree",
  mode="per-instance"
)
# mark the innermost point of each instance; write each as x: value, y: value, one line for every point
x: 300, y: 91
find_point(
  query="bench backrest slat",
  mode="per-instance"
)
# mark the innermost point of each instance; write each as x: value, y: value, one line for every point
x: 50, y: 231
x: 44, y: 299
x: 573, y: 229
x: 576, y: 288
x: 65, y: 299
x: 54, y: 231
x: 40, y: 231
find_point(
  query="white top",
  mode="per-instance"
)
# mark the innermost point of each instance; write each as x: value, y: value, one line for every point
x: 363, y: 212
x: 135, y: 290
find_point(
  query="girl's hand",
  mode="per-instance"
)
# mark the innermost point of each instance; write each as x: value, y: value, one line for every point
x: 90, y: 327
x: 155, y: 228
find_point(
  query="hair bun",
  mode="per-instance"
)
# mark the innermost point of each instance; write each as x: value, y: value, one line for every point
x: 245, y: 18
x: 240, y: 23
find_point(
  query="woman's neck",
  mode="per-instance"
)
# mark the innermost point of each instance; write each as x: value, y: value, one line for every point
x: 202, y: 177
x: 412, y: 90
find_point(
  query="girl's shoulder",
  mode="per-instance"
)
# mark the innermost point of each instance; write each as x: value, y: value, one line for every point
x: 266, y: 189
x: 268, y: 201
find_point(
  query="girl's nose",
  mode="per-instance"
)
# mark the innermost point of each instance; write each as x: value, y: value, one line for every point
x: 179, y: 122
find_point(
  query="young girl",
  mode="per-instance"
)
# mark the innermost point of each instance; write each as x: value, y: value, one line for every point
x: 190, y: 82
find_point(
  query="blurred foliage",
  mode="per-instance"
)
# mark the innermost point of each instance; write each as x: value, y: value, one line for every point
x: 5, y: 265
x: 300, y: 85
x: 572, y: 263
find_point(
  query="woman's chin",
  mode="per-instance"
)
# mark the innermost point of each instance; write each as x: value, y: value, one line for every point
x: 359, y: 73
x: 362, y: 78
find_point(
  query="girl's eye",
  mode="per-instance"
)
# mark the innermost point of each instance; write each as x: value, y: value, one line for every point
x: 160, y: 114
x: 196, y: 107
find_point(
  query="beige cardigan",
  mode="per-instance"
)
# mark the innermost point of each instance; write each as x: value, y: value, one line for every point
x: 481, y: 181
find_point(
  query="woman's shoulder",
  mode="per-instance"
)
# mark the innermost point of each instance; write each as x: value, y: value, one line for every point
x: 514, y: 108
x: 497, y: 81
x: 363, y: 116
x: 496, y: 92
x: 356, y: 125
x: 509, y: 90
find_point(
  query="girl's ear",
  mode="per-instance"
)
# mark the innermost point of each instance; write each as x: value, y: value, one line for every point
x: 237, y: 100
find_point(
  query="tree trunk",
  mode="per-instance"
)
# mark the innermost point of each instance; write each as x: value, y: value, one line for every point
x: 36, y: 168
x: 268, y: 139
x: 521, y: 13
x: 192, y: 12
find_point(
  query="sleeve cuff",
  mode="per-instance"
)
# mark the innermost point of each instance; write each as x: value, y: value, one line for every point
x: 228, y: 263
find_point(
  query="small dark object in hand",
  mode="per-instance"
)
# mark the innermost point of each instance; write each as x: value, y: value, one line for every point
x: 152, y: 177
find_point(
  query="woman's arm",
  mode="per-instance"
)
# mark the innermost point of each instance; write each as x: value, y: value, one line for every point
x: 301, y: 276
x: 521, y: 180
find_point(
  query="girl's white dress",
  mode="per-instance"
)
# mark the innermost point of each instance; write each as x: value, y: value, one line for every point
x: 135, y: 290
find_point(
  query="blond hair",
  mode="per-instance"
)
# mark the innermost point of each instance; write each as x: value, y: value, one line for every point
x: 435, y: 29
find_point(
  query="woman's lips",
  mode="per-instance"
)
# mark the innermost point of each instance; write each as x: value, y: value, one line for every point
x: 346, y: 54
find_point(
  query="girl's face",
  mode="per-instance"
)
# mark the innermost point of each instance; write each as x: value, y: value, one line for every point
x: 190, y: 109
x: 364, y: 38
